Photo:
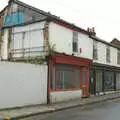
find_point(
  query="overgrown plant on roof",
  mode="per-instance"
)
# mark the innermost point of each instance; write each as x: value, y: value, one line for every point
x: 52, y: 49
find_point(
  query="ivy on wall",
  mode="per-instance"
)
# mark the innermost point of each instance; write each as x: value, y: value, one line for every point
x: 32, y: 60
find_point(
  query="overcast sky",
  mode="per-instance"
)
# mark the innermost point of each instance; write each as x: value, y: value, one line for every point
x: 101, y: 14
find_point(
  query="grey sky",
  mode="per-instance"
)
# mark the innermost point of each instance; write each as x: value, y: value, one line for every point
x: 101, y: 14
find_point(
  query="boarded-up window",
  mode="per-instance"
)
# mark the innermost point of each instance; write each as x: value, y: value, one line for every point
x: 14, y: 8
x: 75, y: 41
x: 19, y: 14
x: 108, y: 54
x: 95, y: 50
x: 27, y: 43
x: 118, y: 57
x: 67, y: 78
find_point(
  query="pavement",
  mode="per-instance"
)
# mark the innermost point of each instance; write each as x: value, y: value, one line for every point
x: 107, y: 110
x: 24, y: 112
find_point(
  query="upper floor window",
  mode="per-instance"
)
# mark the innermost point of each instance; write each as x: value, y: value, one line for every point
x: 95, y: 50
x: 108, y: 54
x: 14, y: 8
x: 118, y: 57
x: 75, y: 41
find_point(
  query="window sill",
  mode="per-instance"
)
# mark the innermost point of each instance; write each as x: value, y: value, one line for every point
x: 60, y: 90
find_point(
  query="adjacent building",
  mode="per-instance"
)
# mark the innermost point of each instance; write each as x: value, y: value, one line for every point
x: 105, y: 74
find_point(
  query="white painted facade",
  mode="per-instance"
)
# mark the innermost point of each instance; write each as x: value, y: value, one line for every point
x: 29, y: 37
x: 65, y: 95
x: 22, y: 84
x: 62, y: 38
x: 101, y: 48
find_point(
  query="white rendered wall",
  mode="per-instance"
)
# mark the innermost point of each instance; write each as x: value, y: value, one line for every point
x: 102, y: 55
x: 62, y: 37
x: 28, y: 36
x: 4, y: 45
x: 65, y: 95
x: 22, y: 84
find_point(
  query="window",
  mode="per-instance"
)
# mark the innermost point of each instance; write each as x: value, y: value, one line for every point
x: 67, y: 78
x: 95, y: 51
x: 118, y: 80
x: 14, y: 8
x: 75, y: 41
x: 108, y: 54
x: 118, y: 57
x: 108, y: 81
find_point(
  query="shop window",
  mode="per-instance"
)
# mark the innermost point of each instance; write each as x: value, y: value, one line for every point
x: 67, y: 79
x: 95, y: 50
x: 118, y: 81
x: 99, y: 81
x: 118, y: 57
x: 75, y: 41
x: 109, y: 81
x: 108, y: 54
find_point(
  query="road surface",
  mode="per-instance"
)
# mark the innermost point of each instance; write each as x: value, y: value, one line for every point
x: 109, y: 110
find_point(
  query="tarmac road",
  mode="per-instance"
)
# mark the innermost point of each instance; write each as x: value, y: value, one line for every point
x: 109, y: 110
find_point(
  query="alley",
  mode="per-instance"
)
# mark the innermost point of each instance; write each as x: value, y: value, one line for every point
x: 103, y: 111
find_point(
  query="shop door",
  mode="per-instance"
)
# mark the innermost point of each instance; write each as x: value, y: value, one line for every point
x: 84, y: 84
x: 99, y: 81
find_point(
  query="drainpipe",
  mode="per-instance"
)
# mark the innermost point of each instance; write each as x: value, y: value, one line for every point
x: 115, y: 80
x: 48, y: 81
x: 46, y: 50
x: 103, y: 78
x: 94, y: 77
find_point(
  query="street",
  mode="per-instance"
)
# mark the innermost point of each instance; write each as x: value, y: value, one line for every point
x: 109, y: 110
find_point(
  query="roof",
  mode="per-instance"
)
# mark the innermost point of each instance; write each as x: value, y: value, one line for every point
x: 103, y: 41
x: 1, y: 12
x: 32, y: 8
x: 115, y: 42
x: 50, y: 16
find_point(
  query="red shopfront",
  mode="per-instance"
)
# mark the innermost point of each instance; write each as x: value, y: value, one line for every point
x: 69, y: 73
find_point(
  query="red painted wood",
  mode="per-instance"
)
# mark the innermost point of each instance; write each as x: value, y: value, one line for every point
x: 85, y: 87
x: 71, y: 60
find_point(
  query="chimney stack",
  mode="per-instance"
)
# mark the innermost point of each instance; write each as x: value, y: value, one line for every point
x: 91, y: 31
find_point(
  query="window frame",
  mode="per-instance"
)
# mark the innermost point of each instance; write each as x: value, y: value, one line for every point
x: 109, y: 79
x: 63, y: 72
x: 108, y: 55
x: 95, y: 50
x: 62, y: 69
x: 118, y: 56
x: 75, y: 42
